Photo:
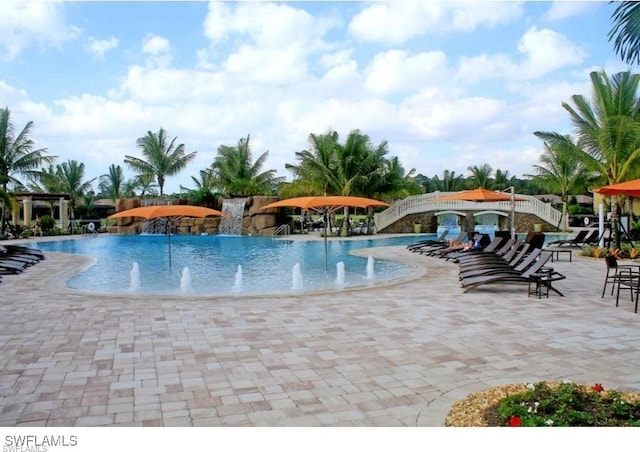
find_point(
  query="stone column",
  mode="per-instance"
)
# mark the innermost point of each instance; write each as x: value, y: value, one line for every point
x: 64, y: 213
x: 26, y: 211
x: 15, y: 213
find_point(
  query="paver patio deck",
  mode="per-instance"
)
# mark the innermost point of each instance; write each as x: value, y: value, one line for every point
x: 395, y: 354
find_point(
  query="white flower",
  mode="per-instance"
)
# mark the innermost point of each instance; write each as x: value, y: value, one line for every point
x: 530, y: 385
x: 566, y: 381
x: 549, y: 422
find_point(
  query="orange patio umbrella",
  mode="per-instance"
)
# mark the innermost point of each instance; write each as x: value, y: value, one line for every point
x: 326, y: 205
x: 478, y: 195
x: 630, y: 188
x: 168, y: 213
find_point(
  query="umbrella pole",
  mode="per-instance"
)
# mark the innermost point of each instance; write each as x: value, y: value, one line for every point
x: 169, y: 239
x: 326, y: 259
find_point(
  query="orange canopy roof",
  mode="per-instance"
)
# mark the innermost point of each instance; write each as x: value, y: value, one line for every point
x: 327, y: 202
x: 630, y: 188
x: 478, y: 195
x: 150, y: 212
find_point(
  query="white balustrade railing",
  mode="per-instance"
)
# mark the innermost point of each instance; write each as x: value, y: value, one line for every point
x: 430, y: 202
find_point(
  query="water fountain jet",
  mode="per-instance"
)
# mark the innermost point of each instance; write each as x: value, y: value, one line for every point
x: 370, y: 272
x: 297, y: 277
x: 340, y: 273
x: 134, y: 278
x: 185, y: 280
x: 237, y: 286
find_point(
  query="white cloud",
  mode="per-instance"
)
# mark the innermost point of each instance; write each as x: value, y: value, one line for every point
x: 398, y: 71
x: 396, y: 23
x: 25, y: 23
x: 479, y: 68
x: 547, y: 51
x: 159, y: 50
x: 99, y: 47
x: 280, y: 73
x: 262, y: 42
x: 560, y: 10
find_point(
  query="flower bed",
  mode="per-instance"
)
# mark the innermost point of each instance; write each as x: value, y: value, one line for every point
x: 546, y: 404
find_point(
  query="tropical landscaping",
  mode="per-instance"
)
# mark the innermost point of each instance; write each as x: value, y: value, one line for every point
x: 604, y: 148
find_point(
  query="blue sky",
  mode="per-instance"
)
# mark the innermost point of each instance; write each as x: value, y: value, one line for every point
x: 447, y: 84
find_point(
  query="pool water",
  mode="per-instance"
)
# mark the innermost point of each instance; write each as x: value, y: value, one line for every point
x: 208, y: 265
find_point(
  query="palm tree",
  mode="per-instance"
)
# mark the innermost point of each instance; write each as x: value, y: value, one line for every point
x: 339, y: 169
x: 205, y: 193
x: 145, y: 182
x: 449, y: 182
x: 111, y: 184
x: 501, y: 179
x: 17, y: 157
x: 608, y: 130
x: 481, y: 176
x: 392, y: 182
x: 626, y: 31
x: 161, y: 158
x: 313, y: 172
x: 234, y: 172
x: 560, y: 170
x: 71, y: 175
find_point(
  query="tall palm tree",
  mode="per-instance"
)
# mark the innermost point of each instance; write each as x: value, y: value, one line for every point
x: 501, y: 179
x: 626, y: 31
x: 71, y: 177
x: 17, y: 157
x: 449, y: 182
x: 234, y: 171
x: 481, y: 176
x: 560, y: 170
x: 312, y: 174
x: 608, y: 130
x: 111, y: 184
x: 160, y: 157
x: 339, y: 169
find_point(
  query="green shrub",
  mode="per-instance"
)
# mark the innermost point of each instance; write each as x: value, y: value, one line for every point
x: 47, y: 223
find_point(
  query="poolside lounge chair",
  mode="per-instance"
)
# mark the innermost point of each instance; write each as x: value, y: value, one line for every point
x: 16, y: 254
x: 508, y: 277
x: 507, y: 252
x: 518, y: 264
x: 488, y: 250
x: 421, y: 243
x: 24, y: 250
x: 9, y: 267
x: 578, y: 240
x: 592, y: 239
x: 432, y: 249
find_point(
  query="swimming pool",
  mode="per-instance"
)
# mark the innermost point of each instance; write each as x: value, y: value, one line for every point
x: 209, y: 265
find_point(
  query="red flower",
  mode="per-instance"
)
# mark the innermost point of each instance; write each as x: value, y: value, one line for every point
x: 597, y: 387
x: 515, y: 421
